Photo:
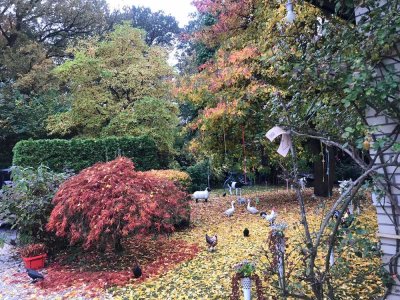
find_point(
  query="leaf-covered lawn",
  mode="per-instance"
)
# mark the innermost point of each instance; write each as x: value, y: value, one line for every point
x: 180, y: 267
x: 208, y: 275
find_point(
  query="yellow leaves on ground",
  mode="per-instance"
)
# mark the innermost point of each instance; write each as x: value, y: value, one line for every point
x: 208, y: 275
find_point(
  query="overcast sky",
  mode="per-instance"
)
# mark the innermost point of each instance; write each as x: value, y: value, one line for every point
x: 180, y: 9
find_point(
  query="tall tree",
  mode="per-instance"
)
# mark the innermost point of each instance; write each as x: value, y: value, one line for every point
x: 161, y: 29
x: 33, y: 38
x: 106, y: 77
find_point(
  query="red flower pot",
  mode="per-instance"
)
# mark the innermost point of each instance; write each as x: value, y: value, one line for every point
x: 35, y: 262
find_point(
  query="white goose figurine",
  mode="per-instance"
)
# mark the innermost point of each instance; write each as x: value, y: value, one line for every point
x: 229, y: 212
x: 251, y: 209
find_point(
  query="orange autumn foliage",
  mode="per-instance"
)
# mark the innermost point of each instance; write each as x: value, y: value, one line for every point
x: 109, y: 201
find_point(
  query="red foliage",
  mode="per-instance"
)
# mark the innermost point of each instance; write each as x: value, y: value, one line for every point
x: 109, y: 201
x: 32, y: 250
x: 231, y: 15
x: 97, y: 272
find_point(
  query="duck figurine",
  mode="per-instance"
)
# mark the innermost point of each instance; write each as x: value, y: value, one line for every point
x: 229, y: 212
x: 251, y: 209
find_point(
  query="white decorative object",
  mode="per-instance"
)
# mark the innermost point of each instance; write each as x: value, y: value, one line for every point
x: 202, y: 195
x: 246, y: 287
x: 331, y: 258
x: 229, y: 212
x: 271, y: 217
x: 302, y: 183
x: 237, y: 186
x: 251, y: 209
x: 286, y: 142
x: 280, y: 247
x: 290, y: 16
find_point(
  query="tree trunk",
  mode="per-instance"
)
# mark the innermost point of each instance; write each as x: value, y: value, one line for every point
x: 118, y: 245
x: 324, y: 168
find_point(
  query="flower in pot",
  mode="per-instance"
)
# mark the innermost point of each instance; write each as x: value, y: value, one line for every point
x: 34, y: 256
x: 245, y: 270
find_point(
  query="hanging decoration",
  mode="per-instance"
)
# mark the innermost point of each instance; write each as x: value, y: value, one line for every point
x: 286, y: 141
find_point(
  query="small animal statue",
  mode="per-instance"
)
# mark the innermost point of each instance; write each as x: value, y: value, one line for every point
x: 212, y: 242
x: 271, y: 217
x: 229, y: 212
x: 34, y: 275
x: 303, y: 183
x: 237, y: 186
x: 251, y: 209
x: 241, y: 200
x: 246, y: 232
x: 137, y: 271
x: 201, y: 195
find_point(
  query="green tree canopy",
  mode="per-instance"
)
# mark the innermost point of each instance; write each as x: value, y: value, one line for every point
x: 106, y: 77
x: 148, y: 116
x: 160, y: 29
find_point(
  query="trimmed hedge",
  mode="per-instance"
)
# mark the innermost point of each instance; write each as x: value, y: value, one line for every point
x: 180, y: 177
x: 78, y: 154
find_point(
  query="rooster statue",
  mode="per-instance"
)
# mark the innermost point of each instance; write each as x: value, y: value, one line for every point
x: 211, y: 242
x: 271, y: 217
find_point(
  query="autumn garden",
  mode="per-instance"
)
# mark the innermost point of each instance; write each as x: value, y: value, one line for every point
x: 232, y: 158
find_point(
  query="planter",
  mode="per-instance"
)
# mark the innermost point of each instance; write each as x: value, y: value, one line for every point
x: 35, y: 262
x: 246, y: 287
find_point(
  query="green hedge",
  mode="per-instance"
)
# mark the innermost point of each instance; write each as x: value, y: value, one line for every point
x: 78, y: 154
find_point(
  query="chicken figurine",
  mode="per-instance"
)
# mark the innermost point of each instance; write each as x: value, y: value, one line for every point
x: 212, y: 242
x: 271, y: 217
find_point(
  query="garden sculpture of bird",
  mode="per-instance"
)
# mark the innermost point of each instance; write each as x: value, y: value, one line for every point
x: 34, y: 275
x: 229, y: 212
x: 137, y: 271
x: 241, y: 200
x: 251, y: 209
x: 246, y: 232
x: 271, y: 217
x: 212, y: 242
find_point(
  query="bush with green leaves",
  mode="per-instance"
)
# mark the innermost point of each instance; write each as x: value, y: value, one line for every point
x: 26, y: 202
x: 78, y: 154
x: 199, y: 175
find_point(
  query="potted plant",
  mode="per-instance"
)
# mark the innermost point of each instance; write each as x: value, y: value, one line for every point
x: 244, y: 270
x: 34, y: 256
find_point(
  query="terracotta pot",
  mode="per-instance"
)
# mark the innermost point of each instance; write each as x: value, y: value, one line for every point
x: 35, y: 262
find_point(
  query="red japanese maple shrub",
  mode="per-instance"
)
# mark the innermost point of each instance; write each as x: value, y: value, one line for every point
x: 109, y: 201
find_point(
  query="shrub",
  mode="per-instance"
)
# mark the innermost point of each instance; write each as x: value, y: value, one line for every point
x: 109, y: 201
x: 78, y: 154
x: 178, y: 177
x: 26, y: 203
x: 199, y: 175
x: 32, y: 250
